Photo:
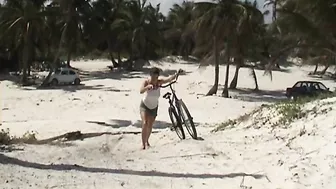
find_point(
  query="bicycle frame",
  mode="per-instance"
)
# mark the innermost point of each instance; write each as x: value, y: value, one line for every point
x: 172, y: 97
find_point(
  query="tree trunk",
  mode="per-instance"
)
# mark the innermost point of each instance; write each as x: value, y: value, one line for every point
x: 46, y: 80
x: 32, y: 58
x: 129, y: 62
x: 29, y: 70
x: 131, y: 52
x: 315, y: 70
x: 214, y: 88
x: 274, y: 11
x: 254, y: 75
x: 69, y: 54
x: 71, y: 21
x: 325, y: 69
x: 144, y: 51
x: 114, y: 62
x: 233, y: 84
x: 26, y: 56
x: 119, y: 58
x: 185, y: 52
x: 238, y: 62
x: 333, y: 63
x: 225, y: 92
x: 25, y: 64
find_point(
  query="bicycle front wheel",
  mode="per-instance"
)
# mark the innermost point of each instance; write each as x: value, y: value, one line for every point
x: 187, y: 119
x: 177, y: 123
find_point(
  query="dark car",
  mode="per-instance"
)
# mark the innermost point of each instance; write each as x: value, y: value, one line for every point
x: 306, y: 89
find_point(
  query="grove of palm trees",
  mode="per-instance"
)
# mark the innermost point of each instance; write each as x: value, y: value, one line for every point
x: 39, y: 33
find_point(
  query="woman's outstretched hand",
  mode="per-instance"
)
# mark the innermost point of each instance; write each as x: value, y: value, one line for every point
x: 149, y: 87
x: 180, y: 71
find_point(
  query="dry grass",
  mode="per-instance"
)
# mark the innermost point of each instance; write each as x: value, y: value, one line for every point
x: 7, y: 139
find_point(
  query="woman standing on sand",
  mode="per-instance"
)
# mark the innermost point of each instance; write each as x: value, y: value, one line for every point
x: 149, y: 103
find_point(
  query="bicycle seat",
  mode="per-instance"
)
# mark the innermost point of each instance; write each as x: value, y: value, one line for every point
x: 167, y: 95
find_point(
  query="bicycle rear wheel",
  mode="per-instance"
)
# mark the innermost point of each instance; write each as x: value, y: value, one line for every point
x: 177, y: 123
x: 187, y: 119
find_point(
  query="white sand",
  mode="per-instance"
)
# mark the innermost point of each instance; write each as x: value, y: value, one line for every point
x: 221, y: 160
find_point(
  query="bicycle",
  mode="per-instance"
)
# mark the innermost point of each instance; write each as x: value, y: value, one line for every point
x: 178, y: 110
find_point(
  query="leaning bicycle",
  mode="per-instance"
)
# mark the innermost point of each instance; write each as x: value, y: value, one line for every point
x: 179, y: 113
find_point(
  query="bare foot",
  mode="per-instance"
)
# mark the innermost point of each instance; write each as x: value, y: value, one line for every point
x: 143, y: 148
x: 148, y: 144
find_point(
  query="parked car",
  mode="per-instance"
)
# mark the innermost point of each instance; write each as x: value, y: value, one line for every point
x: 306, y: 89
x: 66, y: 76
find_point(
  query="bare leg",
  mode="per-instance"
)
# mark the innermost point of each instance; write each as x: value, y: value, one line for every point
x: 150, y: 127
x: 144, y: 135
x: 144, y: 131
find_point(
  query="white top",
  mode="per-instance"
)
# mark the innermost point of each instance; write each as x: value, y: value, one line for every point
x: 151, y: 98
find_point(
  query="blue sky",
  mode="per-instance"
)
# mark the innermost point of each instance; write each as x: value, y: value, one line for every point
x: 167, y: 4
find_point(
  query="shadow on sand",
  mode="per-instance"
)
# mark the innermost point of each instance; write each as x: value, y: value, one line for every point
x: 283, y: 70
x: 284, y: 67
x: 251, y: 95
x: 74, y: 88
x: 119, y: 123
x: 328, y: 76
x: 64, y: 167
x: 179, y: 60
x: 8, y: 77
x: 122, y: 74
x: 9, y: 148
x: 106, y: 74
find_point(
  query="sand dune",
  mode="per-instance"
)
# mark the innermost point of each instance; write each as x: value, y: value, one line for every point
x: 240, y: 157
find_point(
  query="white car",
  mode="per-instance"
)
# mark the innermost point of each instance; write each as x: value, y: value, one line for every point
x: 64, y: 75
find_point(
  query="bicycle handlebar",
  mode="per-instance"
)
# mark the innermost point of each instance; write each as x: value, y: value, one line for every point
x: 169, y: 84
x: 164, y: 86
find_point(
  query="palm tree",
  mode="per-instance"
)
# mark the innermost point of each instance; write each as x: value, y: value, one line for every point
x: 52, y: 31
x: 222, y: 20
x: 304, y: 25
x: 106, y: 26
x: 141, y: 29
x: 179, y: 34
x: 155, y: 31
x: 72, y: 12
x: 22, y: 21
x: 247, y: 38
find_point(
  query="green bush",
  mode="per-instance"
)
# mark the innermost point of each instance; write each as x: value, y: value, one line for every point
x: 240, y: 119
x: 289, y: 112
x: 224, y: 125
x: 7, y: 139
